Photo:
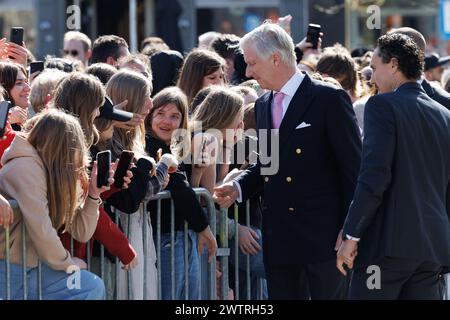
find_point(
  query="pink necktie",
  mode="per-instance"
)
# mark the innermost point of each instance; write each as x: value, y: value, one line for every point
x: 277, y: 110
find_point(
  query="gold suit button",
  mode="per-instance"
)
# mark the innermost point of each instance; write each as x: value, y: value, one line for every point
x: 288, y: 179
x: 266, y: 179
x: 298, y: 151
x: 291, y: 209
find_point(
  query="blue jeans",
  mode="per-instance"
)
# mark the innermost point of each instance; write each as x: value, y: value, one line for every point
x: 257, y: 271
x: 180, y: 279
x: 56, y: 285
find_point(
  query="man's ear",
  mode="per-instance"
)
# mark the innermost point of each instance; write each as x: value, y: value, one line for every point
x: 276, y: 59
x: 88, y: 54
x: 111, y: 61
x: 394, y: 64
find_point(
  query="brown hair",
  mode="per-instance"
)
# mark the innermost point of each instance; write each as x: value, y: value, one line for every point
x: 198, y: 64
x: 170, y: 95
x: 8, y: 77
x: 151, y: 45
x: 102, y: 71
x: 59, y: 141
x: 336, y: 62
x: 81, y: 94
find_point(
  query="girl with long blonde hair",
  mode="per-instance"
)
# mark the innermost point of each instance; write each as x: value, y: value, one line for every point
x: 45, y: 171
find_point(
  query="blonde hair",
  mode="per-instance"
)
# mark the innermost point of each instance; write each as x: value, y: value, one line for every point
x: 81, y: 94
x: 43, y: 85
x: 77, y: 35
x: 59, y: 141
x: 219, y: 109
x: 134, y: 87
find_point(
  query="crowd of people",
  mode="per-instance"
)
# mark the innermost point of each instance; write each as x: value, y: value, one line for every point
x: 363, y: 160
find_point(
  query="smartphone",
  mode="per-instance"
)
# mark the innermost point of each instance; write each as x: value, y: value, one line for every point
x: 16, y: 35
x: 144, y: 165
x: 36, y: 66
x: 124, y: 164
x: 313, y: 34
x: 4, y: 109
x: 103, y: 166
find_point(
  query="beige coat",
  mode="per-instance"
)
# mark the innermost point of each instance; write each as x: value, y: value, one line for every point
x: 23, y: 178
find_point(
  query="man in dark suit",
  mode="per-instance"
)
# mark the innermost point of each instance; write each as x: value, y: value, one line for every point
x: 434, y: 92
x: 305, y: 201
x: 398, y: 223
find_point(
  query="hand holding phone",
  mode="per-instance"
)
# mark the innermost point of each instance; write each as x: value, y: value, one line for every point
x: 103, y: 167
x: 313, y: 34
x: 4, y: 110
x: 16, y: 35
x: 124, y: 164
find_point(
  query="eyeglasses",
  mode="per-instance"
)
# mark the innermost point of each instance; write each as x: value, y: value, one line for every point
x: 73, y: 53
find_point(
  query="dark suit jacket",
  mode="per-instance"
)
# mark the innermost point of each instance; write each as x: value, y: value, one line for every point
x: 437, y: 94
x: 402, y: 197
x: 305, y: 202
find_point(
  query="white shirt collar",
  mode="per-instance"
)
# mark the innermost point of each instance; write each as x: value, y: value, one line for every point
x: 293, y: 83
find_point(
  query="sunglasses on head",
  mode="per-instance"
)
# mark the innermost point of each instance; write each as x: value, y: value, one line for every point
x: 73, y: 53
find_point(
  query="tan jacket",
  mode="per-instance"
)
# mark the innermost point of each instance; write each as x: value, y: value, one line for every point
x: 23, y: 178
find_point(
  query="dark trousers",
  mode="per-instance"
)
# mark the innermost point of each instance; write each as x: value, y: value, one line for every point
x: 318, y: 281
x: 399, y: 279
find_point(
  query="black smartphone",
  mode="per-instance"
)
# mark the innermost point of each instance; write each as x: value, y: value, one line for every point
x: 36, y: 66
x: 4, y: 109
x: 103, y: 166
x: 124, y: 164
x: 16, y: 35
x: 144, y: 165
x: 313, y: 34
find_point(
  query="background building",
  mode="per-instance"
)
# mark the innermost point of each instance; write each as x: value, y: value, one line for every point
x: 179, y: 22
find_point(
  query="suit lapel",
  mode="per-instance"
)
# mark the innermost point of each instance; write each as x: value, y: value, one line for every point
x: 296, y: 109
x: 264, y: 112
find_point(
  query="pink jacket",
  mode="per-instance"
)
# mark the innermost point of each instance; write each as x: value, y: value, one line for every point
x: 23, y: 178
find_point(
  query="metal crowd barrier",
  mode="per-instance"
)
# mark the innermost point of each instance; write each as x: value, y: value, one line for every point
x: 219, y: 230
x: 223, y: 254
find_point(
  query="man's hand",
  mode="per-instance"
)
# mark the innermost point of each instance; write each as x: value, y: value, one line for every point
x: 306, y: 47
x: 225, y: 195
x: 206, y: 238
x: 247, y: 240
x: 346, y: 255
x: 338, y: 241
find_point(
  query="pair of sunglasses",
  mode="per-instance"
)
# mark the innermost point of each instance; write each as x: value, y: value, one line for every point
x: 73, y: 53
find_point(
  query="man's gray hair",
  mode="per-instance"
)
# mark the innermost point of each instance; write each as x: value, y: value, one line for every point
x: 269, y: 38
